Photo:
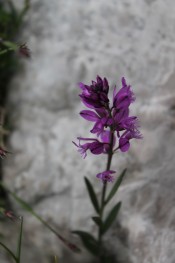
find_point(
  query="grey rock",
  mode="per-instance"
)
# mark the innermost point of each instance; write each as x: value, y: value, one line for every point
x: 72, y: 42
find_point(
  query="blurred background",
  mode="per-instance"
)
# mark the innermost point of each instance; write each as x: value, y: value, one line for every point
x: 71, y: 42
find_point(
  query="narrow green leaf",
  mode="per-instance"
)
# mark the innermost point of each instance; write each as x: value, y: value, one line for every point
x: 92, y: 195
x: 88, y: 241
x: 97, y: 220
x: 4, y: 51
x: 9, y: 251
x: 56, y: 259
x: 115, y: 187
x: 19, y: 242
x: 10, y: 45
x: 111, y: 217
x: 24, y: 11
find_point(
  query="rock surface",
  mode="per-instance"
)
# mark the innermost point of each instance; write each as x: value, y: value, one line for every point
x: 73, y: 41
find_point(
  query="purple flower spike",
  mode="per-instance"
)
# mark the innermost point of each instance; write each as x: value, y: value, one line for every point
x: 106, y: 176
x: 109, y: 120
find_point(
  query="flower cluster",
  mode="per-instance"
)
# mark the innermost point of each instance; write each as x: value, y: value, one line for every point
x: 110, y: 119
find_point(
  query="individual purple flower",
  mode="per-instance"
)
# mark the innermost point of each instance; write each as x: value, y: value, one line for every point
x: 124, y: 97
x: 106, y: 176
x: 94, y: 145
x: 124, y: 140
x: 11, y: 215
x: 95, y: 95
x: 3, y: 152
x: 24, y: 51
x: 102, y: 119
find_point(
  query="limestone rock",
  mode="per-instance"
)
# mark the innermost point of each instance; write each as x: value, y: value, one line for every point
x: 73, y: 41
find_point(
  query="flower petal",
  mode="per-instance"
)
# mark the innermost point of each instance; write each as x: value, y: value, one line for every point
x: 124, y: 144
x: 89, y: 115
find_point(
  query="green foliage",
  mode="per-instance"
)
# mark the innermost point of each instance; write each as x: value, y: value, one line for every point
x: 89, y: 241
x: 8, y: 251
x: 18, y: 253
x: 97, y: 220
x: 92, y: 195
x: 10, y: 22
x: 115, y: 187
x: 28, y: 208
x: 111, y: 217
x: 16, y: 257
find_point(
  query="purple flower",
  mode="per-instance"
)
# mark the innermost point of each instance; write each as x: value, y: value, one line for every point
x: 101, y: 119
x: 106, y: 176
x: 95, y: 95
x: 124, y: 143
x: 124, y: 97
x: 24, y: 51
x: 3, y: 152
x: 94, y: 145
x: 108, y: 119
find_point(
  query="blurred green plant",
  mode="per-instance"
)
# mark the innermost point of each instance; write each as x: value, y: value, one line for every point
x: 16, y: 256
x: 10, y: 22
x: 28, y: 208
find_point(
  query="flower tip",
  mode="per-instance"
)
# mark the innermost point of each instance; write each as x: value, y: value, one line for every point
x: 123, y: 81
x: 80, y: 85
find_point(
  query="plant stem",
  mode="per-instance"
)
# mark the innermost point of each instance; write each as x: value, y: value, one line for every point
x: 102, y: 206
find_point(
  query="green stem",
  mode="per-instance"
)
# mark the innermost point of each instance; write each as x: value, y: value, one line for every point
x: 102, y: 206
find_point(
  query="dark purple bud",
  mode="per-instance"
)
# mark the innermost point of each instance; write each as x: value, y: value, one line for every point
x: 105, y: 86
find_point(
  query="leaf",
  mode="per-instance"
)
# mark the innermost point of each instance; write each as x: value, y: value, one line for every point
x: 4, y: 51
x: 88, y: 241
x: 9, y: 251
x: 56, y: 259
x: 92, y: 195
x: 115, y: 187
x: 97, y: 220
x: 111, y: 217
x: 19, y: 242
x: 10, y: 45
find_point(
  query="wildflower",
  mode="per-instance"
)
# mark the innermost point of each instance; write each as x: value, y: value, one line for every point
x: 94, y: 145
x: 124, y: 97
x: 106, y: 176
x: 101, y: 119
x: 24, y: 51
x: 3, y: 152
x: 9, y: 214
x: 124, y: 143
x: 108, y: 120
